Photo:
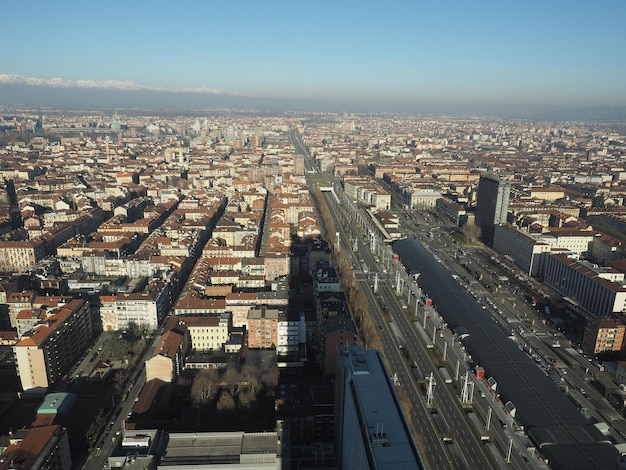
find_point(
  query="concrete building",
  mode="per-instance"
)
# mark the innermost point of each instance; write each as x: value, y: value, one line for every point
x: 452, y: 211
x: 370, y: 428
x: 222, y: 450
x: 492, y: 204
x: 48, y: 351
x: 599, y: 291
x: 527, y: 252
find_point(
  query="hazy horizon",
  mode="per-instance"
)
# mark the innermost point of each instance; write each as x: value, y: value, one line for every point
x: 78, y: 98
x: 490, y: 58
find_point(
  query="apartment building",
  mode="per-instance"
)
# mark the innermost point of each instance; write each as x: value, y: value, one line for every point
x: 263, y: 327
x: 238, y: 304
x: 574, y: 241
x: 292, y: 335
x: 422, y: 198
x: 50, y: 349
x: 17, y: 302
x: 44, y: 447
x: 21, y: 255
x: 326, y: 278
x: 168, y: 357
x: 603, y: 335
x: 146, y: 309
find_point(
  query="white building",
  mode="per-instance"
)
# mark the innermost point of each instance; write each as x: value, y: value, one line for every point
x: 291, y: 334
x: 574, y: 241
x: 527, y: 252
x: 423, y: 199
x: 145, y: 309
x: 208, y: 333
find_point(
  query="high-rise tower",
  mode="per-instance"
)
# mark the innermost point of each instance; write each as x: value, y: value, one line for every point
x: 492, y: 204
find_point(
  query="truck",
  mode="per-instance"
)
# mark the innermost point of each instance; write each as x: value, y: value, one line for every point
x: 482, y: 432
x: 445, y: 375
x: 444, y: 430
x: 418, y: 374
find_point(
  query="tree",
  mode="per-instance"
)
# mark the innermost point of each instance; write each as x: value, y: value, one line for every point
x: 250, y: 375
x: 205, y: 386
x: 118, y: 379
x: 226, y: 402
x: 232, y: 380
x: 472, y: 233
x: 245, y: 399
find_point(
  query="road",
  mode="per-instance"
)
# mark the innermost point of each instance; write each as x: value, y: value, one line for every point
x: 465, y: 451
x: 393, y: 284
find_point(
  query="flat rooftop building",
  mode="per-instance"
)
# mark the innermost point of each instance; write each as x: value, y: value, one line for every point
x: 370, y: 427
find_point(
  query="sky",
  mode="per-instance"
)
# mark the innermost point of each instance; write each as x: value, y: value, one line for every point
x: 446, y: 54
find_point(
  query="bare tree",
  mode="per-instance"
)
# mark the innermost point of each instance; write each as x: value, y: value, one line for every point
x: 232, y: 380
x: 472, y: 233
x: 245, y: 399
x: 205, y: 386
x: 250, y: 375
x: 226, y: 402
x: 118, y: 379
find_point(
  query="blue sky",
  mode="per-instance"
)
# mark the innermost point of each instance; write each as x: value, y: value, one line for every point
x: 548, y: 54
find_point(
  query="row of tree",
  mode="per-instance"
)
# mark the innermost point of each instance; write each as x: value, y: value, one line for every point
x: 354, y: 295
x: 232, y: 388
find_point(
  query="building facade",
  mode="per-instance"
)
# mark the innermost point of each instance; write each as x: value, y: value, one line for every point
x: 527, y: 252
x: 599, y: 291
x: 492, y: 204
x: 603, y: 335
x: 48, y: 351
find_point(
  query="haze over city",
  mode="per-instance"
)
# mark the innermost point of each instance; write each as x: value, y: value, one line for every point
x: 526, y: 59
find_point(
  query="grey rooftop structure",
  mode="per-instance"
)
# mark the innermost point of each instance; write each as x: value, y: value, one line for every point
x: 371, y: 429
x: 565, y: 437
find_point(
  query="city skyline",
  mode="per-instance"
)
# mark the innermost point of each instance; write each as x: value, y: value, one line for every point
x: 453, y: 58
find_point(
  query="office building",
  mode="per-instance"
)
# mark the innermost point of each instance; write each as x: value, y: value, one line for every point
x: 599, y: 291
x: 492, y: 204
x: 370, y: 428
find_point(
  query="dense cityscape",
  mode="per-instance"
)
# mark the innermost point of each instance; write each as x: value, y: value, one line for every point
x: 311, y: 290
